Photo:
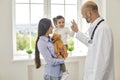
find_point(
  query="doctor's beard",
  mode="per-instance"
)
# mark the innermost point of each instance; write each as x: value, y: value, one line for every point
x: 87, y: 20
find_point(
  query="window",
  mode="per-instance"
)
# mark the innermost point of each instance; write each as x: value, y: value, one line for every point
x: 27, y: 15
x: 29, y: 12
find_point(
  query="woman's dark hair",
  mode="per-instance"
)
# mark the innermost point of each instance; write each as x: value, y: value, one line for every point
x: 43, y: 26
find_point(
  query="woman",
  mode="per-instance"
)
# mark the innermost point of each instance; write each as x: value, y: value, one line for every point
x: 44, y: 45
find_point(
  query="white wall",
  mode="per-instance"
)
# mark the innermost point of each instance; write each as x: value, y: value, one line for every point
x: 10, y: 70
x: 113, y: 18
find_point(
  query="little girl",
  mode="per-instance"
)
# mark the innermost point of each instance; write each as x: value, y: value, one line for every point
x: 59, y: 22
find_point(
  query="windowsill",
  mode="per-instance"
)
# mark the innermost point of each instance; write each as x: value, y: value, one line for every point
x: 30, y: 57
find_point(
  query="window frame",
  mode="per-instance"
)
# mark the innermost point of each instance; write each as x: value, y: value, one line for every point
x: 47, y: 13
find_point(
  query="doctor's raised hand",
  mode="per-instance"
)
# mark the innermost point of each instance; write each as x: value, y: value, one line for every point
x: 74, y: 26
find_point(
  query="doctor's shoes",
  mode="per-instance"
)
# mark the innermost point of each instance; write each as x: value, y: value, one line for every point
x: 65, y: 75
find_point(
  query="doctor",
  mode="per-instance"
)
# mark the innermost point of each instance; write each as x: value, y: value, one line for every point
x: 99, y: 61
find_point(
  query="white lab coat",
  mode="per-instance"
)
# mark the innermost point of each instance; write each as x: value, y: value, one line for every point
x: 99, y: 63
